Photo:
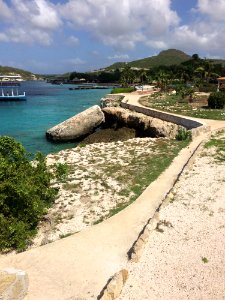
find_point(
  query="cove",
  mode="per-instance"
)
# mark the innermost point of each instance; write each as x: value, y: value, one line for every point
x: 46, y: 105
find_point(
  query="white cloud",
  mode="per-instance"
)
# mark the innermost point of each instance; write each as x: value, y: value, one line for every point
x: 206, y: 34
x: 3, y: 37
x: 5, y: 12
x: 119, y: 57
x: 95, y: 52
x: 74, y: 61
x: 39, y: 13
x: 29, y: 21
x: 215, y: 9
x: 121, y: 24
x: 73, y: 41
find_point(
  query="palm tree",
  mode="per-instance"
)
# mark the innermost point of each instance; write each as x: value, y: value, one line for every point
x: 162, y: 80
x: 127, y: 76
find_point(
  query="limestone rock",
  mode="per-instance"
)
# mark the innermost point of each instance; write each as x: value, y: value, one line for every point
x: 115, y: 285
x: 13, y: 284
x: 77, y: 126
x: 146, y: 125
x: 111, y: 100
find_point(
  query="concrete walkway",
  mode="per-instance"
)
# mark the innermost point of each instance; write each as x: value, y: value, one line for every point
x: 79, y: 266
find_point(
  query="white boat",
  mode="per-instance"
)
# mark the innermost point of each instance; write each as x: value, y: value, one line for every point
x: 9, y: 88
x: 12, y: 95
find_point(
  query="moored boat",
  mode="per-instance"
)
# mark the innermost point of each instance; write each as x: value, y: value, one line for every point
x: 12, y: 95
x: 9, y: 88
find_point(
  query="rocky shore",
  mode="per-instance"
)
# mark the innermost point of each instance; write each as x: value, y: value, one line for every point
x: 103, y: 178
x: 94, y: 186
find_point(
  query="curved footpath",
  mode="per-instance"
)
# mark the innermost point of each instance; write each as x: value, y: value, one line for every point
x: 79, y: 266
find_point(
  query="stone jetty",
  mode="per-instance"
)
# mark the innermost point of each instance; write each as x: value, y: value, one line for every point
x: 77, y: 126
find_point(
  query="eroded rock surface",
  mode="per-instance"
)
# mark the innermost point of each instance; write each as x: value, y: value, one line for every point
x: 77, y: 126
x: 145, y: 125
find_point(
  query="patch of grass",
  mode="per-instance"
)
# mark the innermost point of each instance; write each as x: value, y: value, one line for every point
x: 98, y: 221
x: 81, y: 145
x: 145, y: 169
x: 205, y: 260
x: 118, y: 208
x: 62, y: 236
x: 175, y: 104
x: 183, y: 135
x: 219, y: 145
x: 122, y: 90
x: 70, y: 186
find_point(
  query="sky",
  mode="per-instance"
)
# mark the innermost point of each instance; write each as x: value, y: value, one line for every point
x: 58, y: 36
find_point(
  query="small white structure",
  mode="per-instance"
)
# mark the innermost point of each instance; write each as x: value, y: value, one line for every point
x: 221, y: 80
x: 15, y: 77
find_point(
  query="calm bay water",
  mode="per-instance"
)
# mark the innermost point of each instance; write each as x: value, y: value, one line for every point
x: 46, y: 105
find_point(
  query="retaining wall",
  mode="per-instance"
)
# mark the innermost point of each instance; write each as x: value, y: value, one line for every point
x: 195, y: 126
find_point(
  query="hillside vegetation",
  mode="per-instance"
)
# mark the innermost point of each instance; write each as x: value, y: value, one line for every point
x: 8, y: 70
x: 164, y: 58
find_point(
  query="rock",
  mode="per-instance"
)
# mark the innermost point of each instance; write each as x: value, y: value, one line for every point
x: 13, y: 284
x: 145, y: 125
x: 110, y: 135
x: 77, y: 126
x: 115, y: 285
x: 111, y: 100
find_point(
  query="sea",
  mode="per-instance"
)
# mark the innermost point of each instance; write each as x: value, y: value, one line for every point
x: 46, y: 106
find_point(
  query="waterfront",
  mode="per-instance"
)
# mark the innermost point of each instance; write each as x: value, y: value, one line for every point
x: 46, y: 106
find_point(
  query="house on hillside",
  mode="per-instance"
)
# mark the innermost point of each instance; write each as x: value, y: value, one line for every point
x: 221, y: 82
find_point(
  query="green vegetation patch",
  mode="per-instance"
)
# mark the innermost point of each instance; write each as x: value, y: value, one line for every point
x: 183, y: 106
x: 123, y: 90
x: 218, y: 144
x: 144, y: 169
x: 25, y: 194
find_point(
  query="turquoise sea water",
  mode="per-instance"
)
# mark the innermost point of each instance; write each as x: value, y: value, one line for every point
x: 46, y: 105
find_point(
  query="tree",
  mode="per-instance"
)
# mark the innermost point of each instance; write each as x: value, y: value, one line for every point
x: 195, y: 56
x: 25, y: 194
x: 127, y: 76
x: 162, y: 80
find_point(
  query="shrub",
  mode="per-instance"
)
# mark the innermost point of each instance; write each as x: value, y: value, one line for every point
x: 122, y: 90
x: 61, y: 170
x: 183, y: 134
x: 222, y: 88
x: 216, y: 100
x: 208, y: 89
x: 25, y: 194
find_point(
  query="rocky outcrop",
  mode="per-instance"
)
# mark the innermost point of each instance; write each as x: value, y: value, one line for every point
x: 77, y: 126
x: 115, y: 285
x: 13, y: 284
x: 145, y: 125
x: 111, y: 100
x: 110, y: 135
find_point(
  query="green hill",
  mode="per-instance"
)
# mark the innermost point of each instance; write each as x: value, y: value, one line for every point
x: 218, y: 61
x: 164, y: 58
x: 26, y: 75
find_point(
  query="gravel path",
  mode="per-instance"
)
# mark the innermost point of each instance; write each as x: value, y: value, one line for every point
x: 184, y: 258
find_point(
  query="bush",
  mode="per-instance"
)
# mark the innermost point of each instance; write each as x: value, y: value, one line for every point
x: 208, y: 88
x: 123, y: 90
x: 25, y: 194
x: 216, y: 100
x: 61, y: 171
x: 183, y: 135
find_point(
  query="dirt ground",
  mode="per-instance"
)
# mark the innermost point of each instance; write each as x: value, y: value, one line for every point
x: 184, y: 258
